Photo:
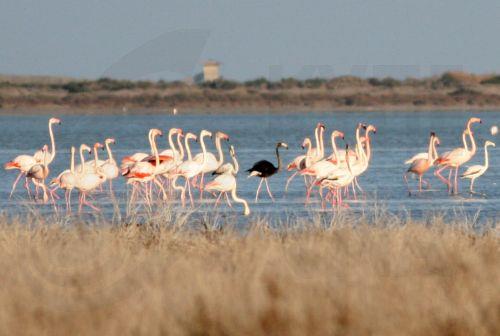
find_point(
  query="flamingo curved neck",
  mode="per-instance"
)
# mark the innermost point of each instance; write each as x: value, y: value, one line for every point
x: 321, y: 143
x: 220, y: 161
x: 464, y: 141
x: 278, y: 157
x: 434, y: 150
x: 486, y: 156
x: 368, y: 154
x: 203, y: 149
x: 316, y: 138
x: 181, y: 148
x: 240, y: 200
x: 155, y: 151
x: 171, y: 141
x: 359, y: 145
x: 430, y: 150
x: 52, y: 142
x: 96, y: 156
x: 151, y: 141
x: 188, y: 149
x: 235, y: 164
x: 473, y: 143
x: 82, y: 160
x: 334, y: 147
x: 110, y: 155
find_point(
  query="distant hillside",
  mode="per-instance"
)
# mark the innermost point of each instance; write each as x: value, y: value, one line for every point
x: 455, y: 90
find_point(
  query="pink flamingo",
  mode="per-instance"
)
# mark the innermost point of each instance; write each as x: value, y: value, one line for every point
x: 109, y: 167
x: 420, y: 166
x: 457, y: 157
x: 226, y: 182
x: 191, y: 168
x: 24, y: 162
x: 67, y: 180
x: 473, y: 172
x: 338, y: 179
x: 318, y: 152
x: 146, y: 170
x: 323, y: 168
x: 300, y: 162
x: 172, y: 151
x: 87, y: 181
x: 211, y: 162
x: 38, y: 173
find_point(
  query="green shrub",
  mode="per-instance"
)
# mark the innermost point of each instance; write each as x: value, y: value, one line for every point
x: 76, y: 87
x: 492, y: 80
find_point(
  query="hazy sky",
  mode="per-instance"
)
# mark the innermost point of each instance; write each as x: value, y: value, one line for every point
x: 84, y: 38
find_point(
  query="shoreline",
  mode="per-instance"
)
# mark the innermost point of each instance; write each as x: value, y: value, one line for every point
x: 224, y: 110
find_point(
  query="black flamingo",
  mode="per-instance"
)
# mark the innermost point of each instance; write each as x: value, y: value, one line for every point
x: 264, y: 169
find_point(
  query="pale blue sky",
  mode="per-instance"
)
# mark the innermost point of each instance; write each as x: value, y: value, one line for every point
x: 84, y: 38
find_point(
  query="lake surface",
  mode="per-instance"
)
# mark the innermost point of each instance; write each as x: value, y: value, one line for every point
x: 400, y: 135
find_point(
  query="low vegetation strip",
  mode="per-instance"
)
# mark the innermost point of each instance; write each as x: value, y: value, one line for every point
x: 453, y: 89
x: 354, y: 279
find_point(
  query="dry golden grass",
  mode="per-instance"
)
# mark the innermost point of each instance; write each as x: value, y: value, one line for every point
x: 155, y: 279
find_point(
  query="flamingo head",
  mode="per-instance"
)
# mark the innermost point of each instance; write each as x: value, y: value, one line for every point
x: 371, y: 128
x: 156, y: 132
x: 282, y: 144
x: 231, y: 150
x: 191, y: 136
x: 55, y: 121
x: 321, y: 126
x: 45, y: 148
x: 338, y: 134
x: 98, y: 145
x: 205, y: 133
x: 489, y: 143
x: 474, y: 120
x: 222, y: 136
x: 110, y: 141
x: 437, y: 141
x: 84, y: 147
x: 362, y: 125
x: 306, y: 142
x: 174, y: 130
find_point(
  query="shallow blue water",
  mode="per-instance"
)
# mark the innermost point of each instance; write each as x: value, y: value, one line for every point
x: 399, y: 136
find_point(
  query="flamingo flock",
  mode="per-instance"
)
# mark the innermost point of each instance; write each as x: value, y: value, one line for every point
x: 153, y: 176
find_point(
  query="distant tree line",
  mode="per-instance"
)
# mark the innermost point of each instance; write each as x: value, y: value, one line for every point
x: 449, y: 79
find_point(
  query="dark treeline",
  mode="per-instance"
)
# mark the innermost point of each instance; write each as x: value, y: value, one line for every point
x: 448, y: 79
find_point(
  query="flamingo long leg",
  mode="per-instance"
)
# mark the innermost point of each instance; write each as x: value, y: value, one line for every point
x: 290, y: 180
x: 456, y: 180
x: 227, y: 199
x: 437, y: 173
x: 85, y: 202
x: 405, y: 177
x: 27, y: 186
x: 15, y: 183
x: 190, y: 194
x: 258, y: 190
x: 201, y: 185
x: 358, y: 186
x: 268, y: 189
x: 218, y: 199
x: 158, y: 183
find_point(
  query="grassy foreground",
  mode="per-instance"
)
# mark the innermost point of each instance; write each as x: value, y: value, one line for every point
x: 378, y: 279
